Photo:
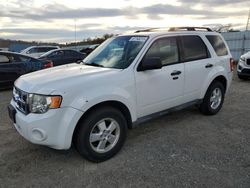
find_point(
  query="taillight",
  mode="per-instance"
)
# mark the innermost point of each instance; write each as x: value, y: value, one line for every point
x: 232, y: 62
x: 48, y: 65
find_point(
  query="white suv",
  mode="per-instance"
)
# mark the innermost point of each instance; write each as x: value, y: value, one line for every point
x: 243, y: 67
x: 37, y: 51
x: 125, y: 81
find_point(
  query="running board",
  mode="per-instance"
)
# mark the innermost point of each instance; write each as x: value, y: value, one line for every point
x: 164, y: 112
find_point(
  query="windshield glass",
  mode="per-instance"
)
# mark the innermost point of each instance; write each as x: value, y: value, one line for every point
x: 118, y: 52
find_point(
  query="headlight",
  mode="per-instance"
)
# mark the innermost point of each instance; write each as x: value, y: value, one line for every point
x: 242, y: 59
x: 42, y: 103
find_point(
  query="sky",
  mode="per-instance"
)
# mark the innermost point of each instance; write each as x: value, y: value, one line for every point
x: 60, y: 20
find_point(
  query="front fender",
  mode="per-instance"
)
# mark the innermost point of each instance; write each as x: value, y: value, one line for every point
x: 95, y: 96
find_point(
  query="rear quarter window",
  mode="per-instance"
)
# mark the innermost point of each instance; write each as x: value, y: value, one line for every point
x: 218, y: 45
x: 4, y: 59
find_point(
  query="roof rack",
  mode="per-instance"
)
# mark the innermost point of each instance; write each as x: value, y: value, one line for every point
x: 190, y: 28
x: 147, y: 30
x: 175, y: 29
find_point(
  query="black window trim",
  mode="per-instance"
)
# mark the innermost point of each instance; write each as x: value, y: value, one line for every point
x: 181, y: 50
x: 178, y: 49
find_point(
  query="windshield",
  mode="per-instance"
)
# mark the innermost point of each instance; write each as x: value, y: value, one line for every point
x: 118, y: 52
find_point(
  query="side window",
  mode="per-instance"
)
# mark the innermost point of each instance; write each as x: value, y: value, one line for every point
x: 218, y: 45
x: 22, y: 58
x: 56, y: 54
x: 42, y: 49
x: 32, y: 50
x: 48, y: 49
x: 4, y: 59
x: 69, y: 53
x: 193, y: 48
x: 166, y: 49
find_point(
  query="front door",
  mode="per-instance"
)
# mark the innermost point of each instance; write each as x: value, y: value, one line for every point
x: 163, y: 88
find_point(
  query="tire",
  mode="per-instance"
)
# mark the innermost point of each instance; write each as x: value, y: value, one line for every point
x: 242, y: 77
x: 213, y: 101
x: 95, y: 138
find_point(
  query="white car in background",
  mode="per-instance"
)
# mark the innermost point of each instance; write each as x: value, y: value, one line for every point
x: 37, y: 51
x: 243, y: 67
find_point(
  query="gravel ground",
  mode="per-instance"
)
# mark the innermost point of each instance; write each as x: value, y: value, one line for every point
x: 181, y: 149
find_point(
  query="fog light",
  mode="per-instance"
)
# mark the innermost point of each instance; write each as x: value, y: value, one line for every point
x: 39, y: 135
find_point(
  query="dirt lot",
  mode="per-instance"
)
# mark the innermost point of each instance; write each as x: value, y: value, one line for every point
x: 182, y: 149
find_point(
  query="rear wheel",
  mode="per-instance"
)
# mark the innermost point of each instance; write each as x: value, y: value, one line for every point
x: 101, y: 134
x: 213, y: 99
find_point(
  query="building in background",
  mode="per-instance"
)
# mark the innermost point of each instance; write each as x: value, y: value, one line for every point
x: 238, y: 42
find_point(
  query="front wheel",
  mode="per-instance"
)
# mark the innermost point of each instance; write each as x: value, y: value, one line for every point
x: 213, y: 99
x: 101, y: 135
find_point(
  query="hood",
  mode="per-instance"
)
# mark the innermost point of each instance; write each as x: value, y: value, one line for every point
x: 49, y: 80
x: 246, y: 55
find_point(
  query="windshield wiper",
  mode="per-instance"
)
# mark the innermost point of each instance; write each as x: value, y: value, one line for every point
x: 94, y: 64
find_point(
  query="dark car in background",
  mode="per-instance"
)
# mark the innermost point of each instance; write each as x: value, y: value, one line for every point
x: 63, y: 56
x: 13, y: 65
x: 89, y: 49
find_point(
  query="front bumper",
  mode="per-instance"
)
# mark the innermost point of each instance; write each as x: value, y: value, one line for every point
x: 243, y: 69
x: 54, y: 128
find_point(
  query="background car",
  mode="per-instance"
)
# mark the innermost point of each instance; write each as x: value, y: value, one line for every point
x: 63, y: 56
x: 37, y: 51
x: 13, y: 65
x: 243, y: 67
x: 89, y: 49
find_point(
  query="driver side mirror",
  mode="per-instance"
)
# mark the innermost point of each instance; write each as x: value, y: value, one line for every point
x: 150, y: 63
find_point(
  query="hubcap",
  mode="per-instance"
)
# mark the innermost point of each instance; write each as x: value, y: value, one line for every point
x: 104, y: 135
x: 215, y: 99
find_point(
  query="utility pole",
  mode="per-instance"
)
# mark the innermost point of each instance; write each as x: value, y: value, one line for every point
x: 244, y: 35
x: 248, y: 20
x: 75, y: 33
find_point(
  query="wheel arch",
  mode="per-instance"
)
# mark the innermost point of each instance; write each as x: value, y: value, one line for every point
x: 116, y: 104
x: 220, y: 78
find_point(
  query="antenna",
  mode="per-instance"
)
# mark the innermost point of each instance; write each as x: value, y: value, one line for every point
x: 75, y: 33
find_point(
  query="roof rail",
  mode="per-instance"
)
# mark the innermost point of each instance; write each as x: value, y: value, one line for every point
x: 147, y: 30
x: 189, y: 28
x: 175, y: 29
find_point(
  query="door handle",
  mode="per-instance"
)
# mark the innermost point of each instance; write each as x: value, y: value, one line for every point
x: 209, y: 65
x: 174, y: 73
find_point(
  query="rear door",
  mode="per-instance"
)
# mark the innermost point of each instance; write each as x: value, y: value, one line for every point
x: 197, y: 62
x: 70, y: 56
x: 160, y: 89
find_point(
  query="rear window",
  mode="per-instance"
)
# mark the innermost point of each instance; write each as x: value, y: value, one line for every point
x: 4, y: 59
x: 193, y: 48
x: 218, y: 45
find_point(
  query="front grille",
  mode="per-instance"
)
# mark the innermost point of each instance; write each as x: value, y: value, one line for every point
x: 245, y: 71
x: 21, y: 100
x: 248, y: 61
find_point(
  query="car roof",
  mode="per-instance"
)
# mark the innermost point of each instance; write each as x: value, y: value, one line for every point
x: 42, y: 46
x: 15, y: 53
x: 60, y: 49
